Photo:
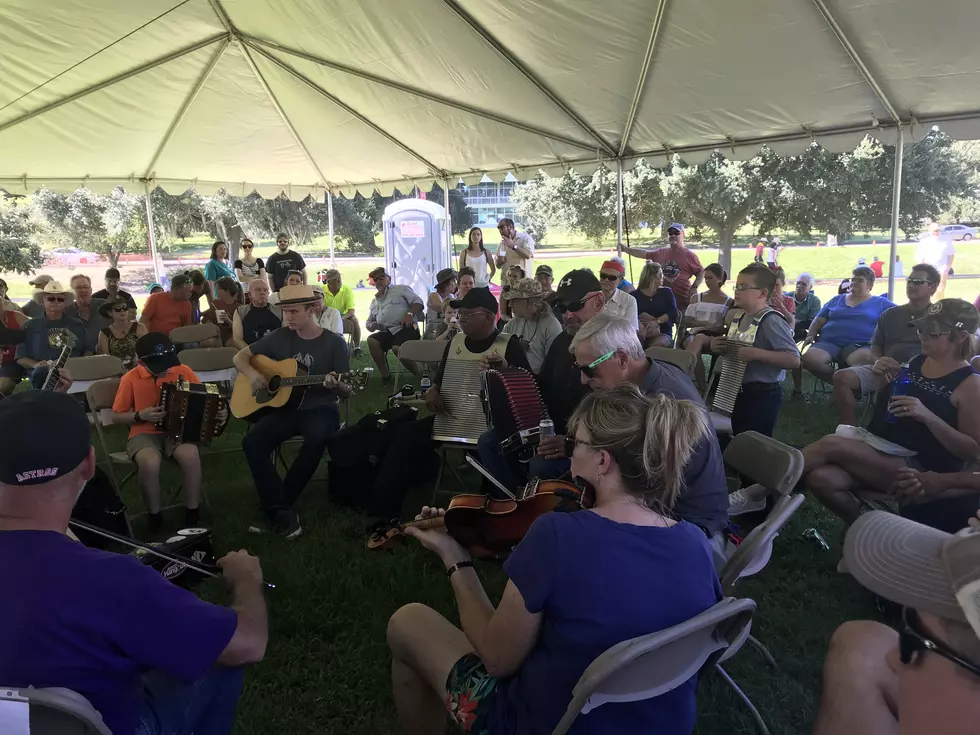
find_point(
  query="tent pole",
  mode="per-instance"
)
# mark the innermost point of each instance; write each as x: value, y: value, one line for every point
x: 330, y: 224
x: 619, y: 208
x: 896, y: 208
x: 151, y: 235
x: 449, y: 224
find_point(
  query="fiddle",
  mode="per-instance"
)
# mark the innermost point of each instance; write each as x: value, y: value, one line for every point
x: 490, y: 527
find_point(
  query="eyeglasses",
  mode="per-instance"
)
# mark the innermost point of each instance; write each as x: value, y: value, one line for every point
x: 739, y: 287
x: 470, y: 313
x: 589, y: 370
x: 918, y: 281
x: 55, y: 299
x: 571, y: 442
x: 609, y: 276
x: 574, y: 306
x: 911, y: 642
x: 931, y: 335
x: 673, y: 232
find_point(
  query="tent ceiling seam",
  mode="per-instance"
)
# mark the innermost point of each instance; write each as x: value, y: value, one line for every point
x: 324, y: 181
x: 112, y: 80
x: 869, y: 78
x: 185, y: 106
x: 433, y: 169
x: 222, y: 15
x: 528, y: 75
x: 644, y: 72
x: 253, y: 41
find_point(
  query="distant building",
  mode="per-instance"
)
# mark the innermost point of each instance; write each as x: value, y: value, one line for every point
x: 490, y: 201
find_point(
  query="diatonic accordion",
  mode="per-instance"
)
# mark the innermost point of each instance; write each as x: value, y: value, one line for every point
x: 191, y: 412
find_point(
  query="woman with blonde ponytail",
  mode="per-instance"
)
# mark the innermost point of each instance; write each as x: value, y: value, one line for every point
x: 579, y: 583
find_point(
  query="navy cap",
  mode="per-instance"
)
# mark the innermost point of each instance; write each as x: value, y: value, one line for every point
x: 476, y: 298
x: 46, y: 436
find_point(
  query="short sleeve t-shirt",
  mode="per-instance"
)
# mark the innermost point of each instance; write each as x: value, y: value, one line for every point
x: 849, y: 325
x: 94, y: 622
x: 258, y: 321
x: 342, y: 301
x: 320, y: 355
x: 662, y: 302
x: 681, y: 267
x: 161, y: 313
x: 535, y: 336
x: 595, y: 603
x: 44, y: 339
x: 120, y: 294
x: 895, y: 336
x: 139, y: 389
x: 250, y: 271
x: 278, y: 266
x: 773, y: 334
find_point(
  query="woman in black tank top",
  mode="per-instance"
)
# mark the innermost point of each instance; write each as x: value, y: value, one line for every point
x: 938, y: 419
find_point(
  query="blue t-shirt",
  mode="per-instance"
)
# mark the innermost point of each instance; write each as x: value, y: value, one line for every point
x: 622, y: 581
x: 662, y: 302
x: 850, y: 325
x: 216, y: 269
x: 43, y: 338
x: 95, y: 622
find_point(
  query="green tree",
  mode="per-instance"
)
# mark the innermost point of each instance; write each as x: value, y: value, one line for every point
x: 965, y: 207
x: 19, y: 250
x: 459, y: 213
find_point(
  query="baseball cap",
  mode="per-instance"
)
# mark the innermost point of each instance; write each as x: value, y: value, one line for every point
x: 156, y: 352
x: 576, y: 285
x: 379, y: 271
x: 861, y: 261
x: 40, y: 280
x: 917, y: 566
x: 613, y: 266
x: 476, y: 298
x: 546, y: 269
x: 676, y: 226
x: 332, y: 274
x: 526, y: 288
x: 29, y: 456
x: 951, y: 313
x: 112, y: 273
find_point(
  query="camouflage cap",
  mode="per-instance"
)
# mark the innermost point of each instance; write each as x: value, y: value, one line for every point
x: 953, y: 314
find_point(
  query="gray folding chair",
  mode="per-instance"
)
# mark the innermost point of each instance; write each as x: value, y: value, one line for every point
x: 681, y: 358
x: 52, y: 711
x: 767, y: 461
x: 196, y: 334
x: 211, y: 364
x: 652, y: 665
x: 427, y: 352
x: 86, y: 370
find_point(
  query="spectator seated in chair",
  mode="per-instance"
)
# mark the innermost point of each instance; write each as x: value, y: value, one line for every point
x: 255, y: 319
x: 223, y: 308
x: 200, y: 289
x: 120, y: 337
x: 618, y: 302
x: 513, y: 668
x: 438, y: 302
x: 327, y: 316
x: 656, y: 307
x: 46, y: 336
x: 393, y: 318
x: 843, y: 329
x: 895, y: 341
x: 12, y: 321
x: 112, y: 291
x: 151, y: 657
x: 533, y: 321
x: 782, y: 303
x: 705, y: 318
x: 935, y: 420
x: 924, y: 677
x: 807, y: 306
x: 85, y: 308
x: 293, y: 278
x: 316, y: 419
x: 137, y: 405
x: 340, y: 297
x: 165, y: 311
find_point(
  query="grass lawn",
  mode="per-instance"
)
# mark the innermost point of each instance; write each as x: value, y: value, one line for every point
x: 327, y: 666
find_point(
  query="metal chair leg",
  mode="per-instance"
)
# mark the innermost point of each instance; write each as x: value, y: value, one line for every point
x: 760, y: 647
x: 744, y: 697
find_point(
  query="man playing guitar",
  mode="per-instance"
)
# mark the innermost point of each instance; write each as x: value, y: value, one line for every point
x: 316, y: 419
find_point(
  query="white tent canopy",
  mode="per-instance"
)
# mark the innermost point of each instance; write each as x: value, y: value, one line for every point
x: 299, y: 96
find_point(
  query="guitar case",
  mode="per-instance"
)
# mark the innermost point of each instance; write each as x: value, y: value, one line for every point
x: 357, y: 452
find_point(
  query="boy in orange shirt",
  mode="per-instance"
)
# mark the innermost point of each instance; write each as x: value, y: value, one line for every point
x: 137, y: 405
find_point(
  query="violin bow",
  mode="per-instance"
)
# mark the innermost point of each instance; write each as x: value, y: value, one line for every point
x: 208, y: 570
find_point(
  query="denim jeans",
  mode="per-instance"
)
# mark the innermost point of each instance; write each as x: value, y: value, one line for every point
x: 203, y: 707
x: 512, y: 473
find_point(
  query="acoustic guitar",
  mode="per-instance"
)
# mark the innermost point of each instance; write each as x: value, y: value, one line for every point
x: 288, y: 380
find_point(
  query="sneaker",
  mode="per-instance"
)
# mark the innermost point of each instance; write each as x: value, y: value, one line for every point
x: 260, y: 525
x: 286, y: 524
x: 739, y: 504
x: 358, y: 352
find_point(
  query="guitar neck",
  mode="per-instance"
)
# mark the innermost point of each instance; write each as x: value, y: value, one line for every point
x: 426, y: 523
x: 307, y: 380
x: 52, y: 380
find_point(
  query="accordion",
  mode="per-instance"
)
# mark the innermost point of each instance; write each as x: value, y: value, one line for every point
x: 191, y: 412
x: 513, y: 406
x: 192, y: 543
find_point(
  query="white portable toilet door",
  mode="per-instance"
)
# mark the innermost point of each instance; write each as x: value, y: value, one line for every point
x: 415, y: 246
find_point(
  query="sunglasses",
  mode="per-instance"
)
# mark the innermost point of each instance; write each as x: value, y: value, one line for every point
x: 589, y: 370
x: 673, y: 232
x: 55, y: 299
x: 912, y: 641
x: 918, y: 281
x: 609, y: 276
x: 574, y: 306
x: 119, y: 309
x: 246, y: 247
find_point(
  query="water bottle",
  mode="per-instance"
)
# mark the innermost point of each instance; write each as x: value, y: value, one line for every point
x: 546, y: 428
x: 425, y: 384
x: 900, y: 387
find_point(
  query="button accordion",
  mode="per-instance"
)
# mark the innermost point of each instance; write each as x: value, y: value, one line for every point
x: 513, y: 407
x: 191, y: 412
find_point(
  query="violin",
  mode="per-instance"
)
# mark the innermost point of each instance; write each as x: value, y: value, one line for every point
x: 489, y: 527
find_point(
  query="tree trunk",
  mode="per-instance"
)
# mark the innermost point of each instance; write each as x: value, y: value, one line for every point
x: 725, y: 237
x: 113, y: 257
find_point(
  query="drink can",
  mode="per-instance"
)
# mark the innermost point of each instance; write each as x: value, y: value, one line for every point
x: 546, y: 428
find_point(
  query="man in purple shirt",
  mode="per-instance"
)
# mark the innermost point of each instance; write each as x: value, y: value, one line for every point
x: 150, y: 657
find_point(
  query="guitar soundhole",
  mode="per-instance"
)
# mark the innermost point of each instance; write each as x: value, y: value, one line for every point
x: 274, y: 383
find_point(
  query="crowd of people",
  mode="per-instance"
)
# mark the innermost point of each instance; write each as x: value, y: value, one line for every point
x: 628, y: 422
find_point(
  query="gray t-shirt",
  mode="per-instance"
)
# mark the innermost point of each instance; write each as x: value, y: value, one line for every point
x: 704, y: 500
x: 324, y: 354
x: 894, y: 336
x: 389, y: 310
x: 95, y: 322
x: 773, y: 334
x: 535, y: 336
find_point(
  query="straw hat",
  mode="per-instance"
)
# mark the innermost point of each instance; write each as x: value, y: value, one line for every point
x: 295, y: 295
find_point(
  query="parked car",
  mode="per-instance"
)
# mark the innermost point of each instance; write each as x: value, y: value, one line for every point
x: 71, y: 257
x: 958, y: 232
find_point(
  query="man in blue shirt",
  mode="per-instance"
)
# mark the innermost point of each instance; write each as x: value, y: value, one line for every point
x: 149, y: 656
x: 46, y: 336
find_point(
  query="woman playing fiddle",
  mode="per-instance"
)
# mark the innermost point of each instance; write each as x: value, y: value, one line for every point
x: 578, y: 584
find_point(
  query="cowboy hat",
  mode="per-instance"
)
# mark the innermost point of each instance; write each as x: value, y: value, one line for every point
x: 54, y: 288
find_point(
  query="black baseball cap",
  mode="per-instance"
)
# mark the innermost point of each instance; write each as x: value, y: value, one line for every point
x: 156, y: 352
x: 544, y: 269
x: 575, y: 285
x: 476, y: 298
x: 32, y: 417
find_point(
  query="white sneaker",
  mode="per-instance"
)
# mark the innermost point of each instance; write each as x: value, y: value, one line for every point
x: 739, y: 504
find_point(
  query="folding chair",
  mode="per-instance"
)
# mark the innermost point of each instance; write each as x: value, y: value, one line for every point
x: 427, y: 351
x: 681, y: 358
x: 52, y: 711
x: 652, y: 665
x: 211, y: 364
x: 196, y: 334
x: 86, y: 370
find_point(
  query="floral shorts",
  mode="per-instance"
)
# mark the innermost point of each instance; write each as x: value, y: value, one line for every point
x: 470, y: 692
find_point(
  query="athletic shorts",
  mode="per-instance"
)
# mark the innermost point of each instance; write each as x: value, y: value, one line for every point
x: 150, y: 441
x: 867, y: 379
x: 470, y: 694
x: 387, y: 340
x: 839, y: 353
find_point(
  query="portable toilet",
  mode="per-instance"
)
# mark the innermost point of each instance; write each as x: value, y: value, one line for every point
x: 415, y: 243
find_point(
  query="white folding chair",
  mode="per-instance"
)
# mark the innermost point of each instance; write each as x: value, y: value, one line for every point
x: 50, y: 711
x: 652, y: 665
x: 86, y: 370
x: 679, y: 358
x: 426, y: 351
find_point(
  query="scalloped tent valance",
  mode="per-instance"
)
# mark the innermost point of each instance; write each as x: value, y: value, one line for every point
x: 297, y: 96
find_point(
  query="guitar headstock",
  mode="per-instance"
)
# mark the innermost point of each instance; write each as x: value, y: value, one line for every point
x: 357, y: 379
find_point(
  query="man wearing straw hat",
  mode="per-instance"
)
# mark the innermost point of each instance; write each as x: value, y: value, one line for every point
x: 46, y: 336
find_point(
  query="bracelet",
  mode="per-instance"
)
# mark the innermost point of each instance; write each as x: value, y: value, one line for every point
x: 457, y: 566
x: 136, y: 417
